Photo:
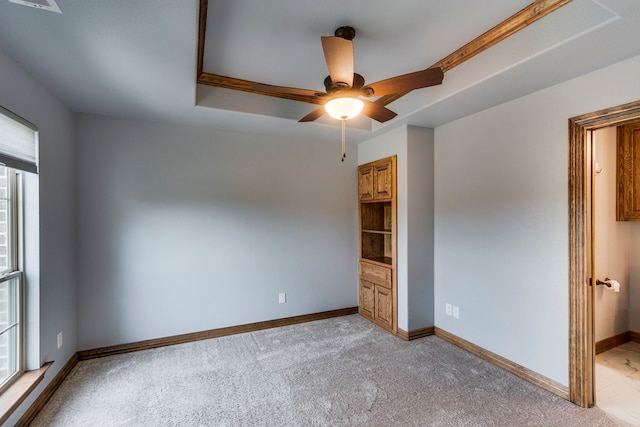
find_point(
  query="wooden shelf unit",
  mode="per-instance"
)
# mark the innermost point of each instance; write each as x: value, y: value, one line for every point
x: 378, y: 230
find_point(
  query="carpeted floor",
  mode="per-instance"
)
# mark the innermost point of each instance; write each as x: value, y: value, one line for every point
x: 337, y: 372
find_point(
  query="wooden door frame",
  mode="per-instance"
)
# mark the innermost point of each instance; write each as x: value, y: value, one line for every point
x: 581, y: 345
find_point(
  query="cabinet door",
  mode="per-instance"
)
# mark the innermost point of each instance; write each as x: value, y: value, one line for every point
x: 367, y: 299
x: 365, y: 183
x: 628, y: 174
x: 383, y: 181
x: 384, y: 307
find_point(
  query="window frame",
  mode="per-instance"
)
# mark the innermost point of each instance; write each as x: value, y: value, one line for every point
x: 14, y: 270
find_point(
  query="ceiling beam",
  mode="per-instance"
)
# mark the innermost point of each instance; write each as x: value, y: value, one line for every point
x: 246, y: 86
x: 527, y: 16
x: 202, y: 31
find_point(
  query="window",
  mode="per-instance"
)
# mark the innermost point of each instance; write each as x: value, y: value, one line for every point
x: 10, y: 279
x: 18, y: 154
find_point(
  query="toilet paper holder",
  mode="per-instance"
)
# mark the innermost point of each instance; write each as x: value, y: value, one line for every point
x: 605, y: 283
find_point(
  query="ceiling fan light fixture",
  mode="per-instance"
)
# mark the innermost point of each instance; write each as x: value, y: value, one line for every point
x: 344, y: 108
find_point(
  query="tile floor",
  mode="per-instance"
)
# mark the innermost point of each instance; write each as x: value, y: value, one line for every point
x: 618, y: 382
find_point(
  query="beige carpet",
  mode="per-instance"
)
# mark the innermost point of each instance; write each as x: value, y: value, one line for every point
x: 336, y: 372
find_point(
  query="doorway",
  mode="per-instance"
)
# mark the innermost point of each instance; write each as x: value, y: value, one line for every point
x: 581, y: 257
x: 615, y: 249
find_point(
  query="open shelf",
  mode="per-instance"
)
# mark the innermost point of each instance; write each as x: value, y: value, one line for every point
x: 377, y: 244
x: 376, y: 231
x: 376, y: 217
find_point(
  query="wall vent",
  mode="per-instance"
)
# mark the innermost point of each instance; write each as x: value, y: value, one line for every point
x: 49, y: 5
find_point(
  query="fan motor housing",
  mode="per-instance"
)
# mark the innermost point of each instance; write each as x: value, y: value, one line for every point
x: 348, y: 33
x: 333, y: 87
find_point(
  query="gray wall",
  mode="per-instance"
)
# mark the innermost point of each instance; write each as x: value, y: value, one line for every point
x: 501, y: 222
x: 184, y: 229
x: 22, y: 94
x: 420, y: 187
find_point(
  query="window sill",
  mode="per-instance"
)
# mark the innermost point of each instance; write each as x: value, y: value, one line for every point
x: 19, y: 390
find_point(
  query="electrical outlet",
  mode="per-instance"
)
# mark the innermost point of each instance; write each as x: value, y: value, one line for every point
x: 282, y: 298
x: 59, y: 339
x: 456, y: 311
x: 447, y: 309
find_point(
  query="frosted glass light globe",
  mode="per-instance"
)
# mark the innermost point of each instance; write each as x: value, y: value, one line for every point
x: 344, y: 108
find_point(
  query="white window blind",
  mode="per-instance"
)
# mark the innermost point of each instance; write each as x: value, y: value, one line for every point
x: 18, y: 142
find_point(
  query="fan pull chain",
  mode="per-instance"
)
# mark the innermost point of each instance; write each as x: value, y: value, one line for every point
x: 344, y: 151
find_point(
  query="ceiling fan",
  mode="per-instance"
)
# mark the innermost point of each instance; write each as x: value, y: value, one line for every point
x: 344, y: 88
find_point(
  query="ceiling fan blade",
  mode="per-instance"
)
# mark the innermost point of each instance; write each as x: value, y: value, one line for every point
x: 315, y: 114
x: 338, y: 53
x: 261, y: 87
x: 407, y: 82
x: 377, y: 112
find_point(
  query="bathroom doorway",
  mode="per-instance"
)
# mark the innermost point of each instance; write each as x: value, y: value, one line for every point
x: 616, y: 256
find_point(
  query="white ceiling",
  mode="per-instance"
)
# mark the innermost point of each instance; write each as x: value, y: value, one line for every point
x: 137, y: 58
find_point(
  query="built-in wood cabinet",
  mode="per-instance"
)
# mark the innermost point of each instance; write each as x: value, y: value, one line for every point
x: 628, y: 173
x: 378, y: 229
